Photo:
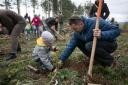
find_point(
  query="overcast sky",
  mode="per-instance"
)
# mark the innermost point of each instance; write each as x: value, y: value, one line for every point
x: 118, y: 8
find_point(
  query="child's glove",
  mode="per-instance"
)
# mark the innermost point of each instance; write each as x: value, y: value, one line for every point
x: 59, y: 64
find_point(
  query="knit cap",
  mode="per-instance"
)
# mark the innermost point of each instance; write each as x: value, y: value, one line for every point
x: 47, y: 36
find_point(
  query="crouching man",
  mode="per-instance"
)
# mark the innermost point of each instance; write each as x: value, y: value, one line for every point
x: 15, y: 24
x: 82, y: 38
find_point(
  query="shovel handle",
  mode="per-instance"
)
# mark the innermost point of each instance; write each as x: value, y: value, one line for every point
x: 94, y: 40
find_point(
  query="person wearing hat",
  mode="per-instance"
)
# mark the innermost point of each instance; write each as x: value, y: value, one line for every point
x: 41, y: 52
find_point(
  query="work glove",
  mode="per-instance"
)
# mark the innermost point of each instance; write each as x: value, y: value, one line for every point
x: 60, y: 64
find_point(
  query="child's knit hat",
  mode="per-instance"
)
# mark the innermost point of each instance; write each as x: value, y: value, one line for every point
x: 47, y: 36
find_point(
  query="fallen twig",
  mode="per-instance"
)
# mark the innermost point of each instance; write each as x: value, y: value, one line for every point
x: 55, y: 71
x: 32, y: 68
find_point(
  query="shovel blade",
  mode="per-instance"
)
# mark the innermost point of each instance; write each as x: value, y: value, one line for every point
x: 93, y: 84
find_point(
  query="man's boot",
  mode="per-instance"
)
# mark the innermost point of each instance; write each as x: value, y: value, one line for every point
x: 11, y: 56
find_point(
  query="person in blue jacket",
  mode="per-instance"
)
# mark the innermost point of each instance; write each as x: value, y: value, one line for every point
x: 82, y: 38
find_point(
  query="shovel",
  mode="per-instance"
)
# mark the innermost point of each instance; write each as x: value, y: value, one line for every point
x: 94, y: 45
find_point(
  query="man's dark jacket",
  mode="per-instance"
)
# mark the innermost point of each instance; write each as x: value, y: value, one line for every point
x: 104, y: 12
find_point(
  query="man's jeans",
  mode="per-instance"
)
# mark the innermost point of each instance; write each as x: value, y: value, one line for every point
x: 102, y: 53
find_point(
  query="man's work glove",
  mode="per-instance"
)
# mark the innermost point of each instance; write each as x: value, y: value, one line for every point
x: 59, y: 64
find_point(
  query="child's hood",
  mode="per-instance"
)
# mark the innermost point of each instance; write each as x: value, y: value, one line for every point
x: 40, y: 42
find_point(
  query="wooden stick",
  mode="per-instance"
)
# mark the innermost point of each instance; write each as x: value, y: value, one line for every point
x: 32, y: 68
x: 55, y: 71
x: 94, y: 41
x: 4, y: 38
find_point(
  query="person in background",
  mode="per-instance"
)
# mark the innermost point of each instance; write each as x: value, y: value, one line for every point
x: 104, y: 12
x: 36, y: 21
x: 52, y: 24
x: 15, y: 25
x: 41, y: 52
x: 82, y: 38
x: 27, y: 17
x: 114, y: 22
x: 28, y: 30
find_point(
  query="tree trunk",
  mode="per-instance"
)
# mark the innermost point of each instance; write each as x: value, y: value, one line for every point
x: 60, y: 6
x: 18, y: 6
x: 34, y: 10
x: 6, y: 5
x: 34, y: 3
x: 49, y: 8
x: 26, y: 6
x: 55, y: 7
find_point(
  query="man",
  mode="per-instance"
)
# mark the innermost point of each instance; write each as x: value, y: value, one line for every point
x: 52, y: 24
x: 27, y: 17
x: 82, y: 38
x: 104, y: 12
x: 15, y: 24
